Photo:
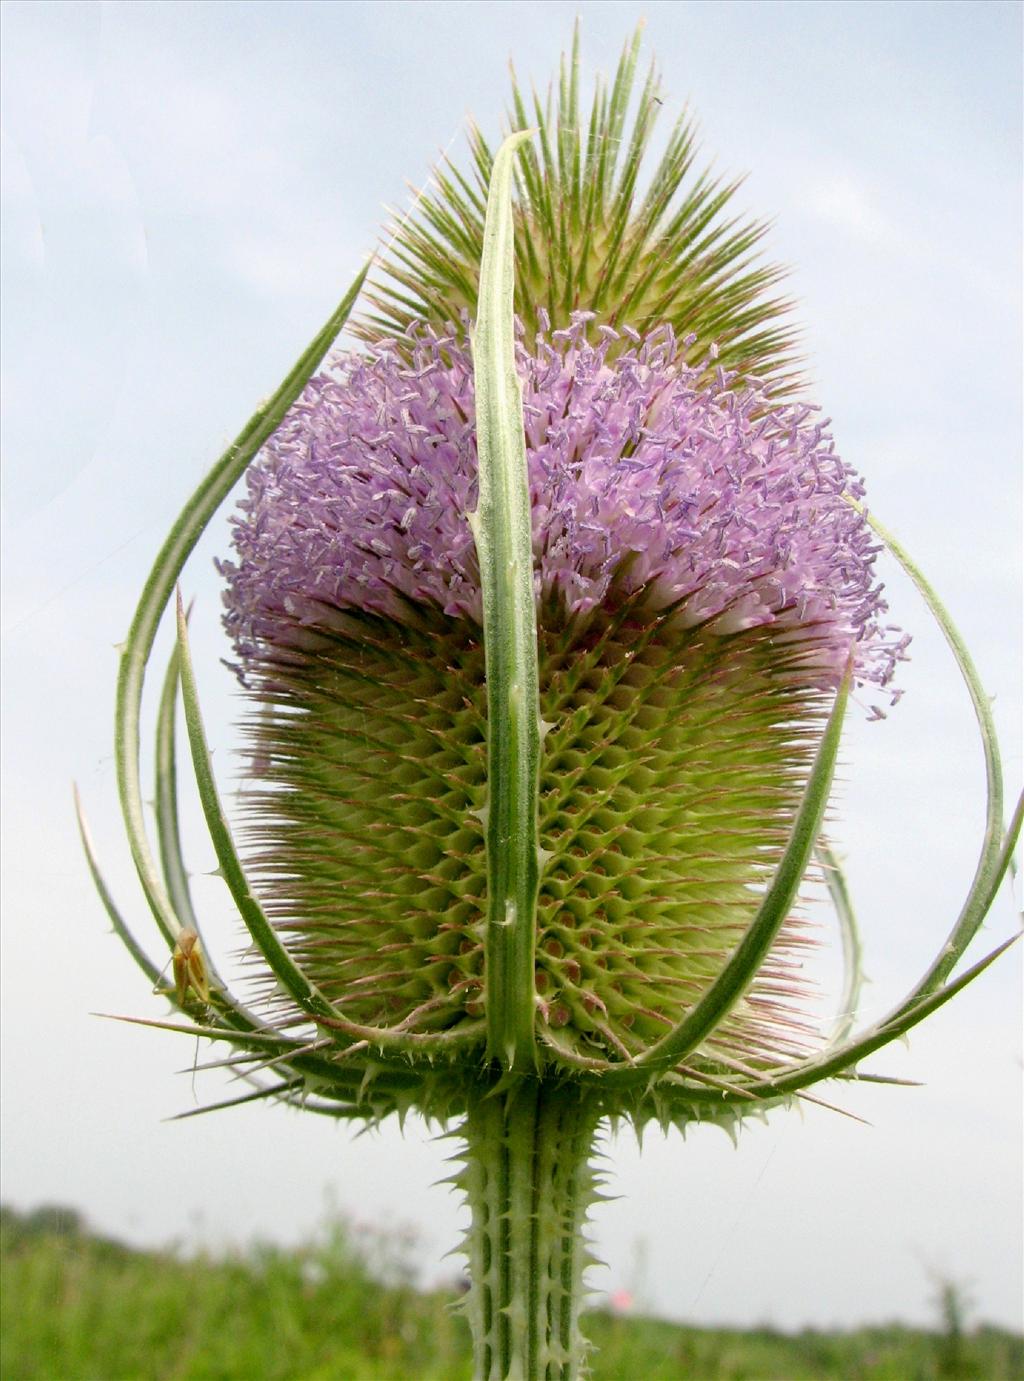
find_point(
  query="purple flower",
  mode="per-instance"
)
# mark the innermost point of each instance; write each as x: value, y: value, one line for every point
x: 650, y: 481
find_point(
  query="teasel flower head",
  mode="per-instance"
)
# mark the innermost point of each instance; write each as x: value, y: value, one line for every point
x: 547, y: 603
x: 701, y: 583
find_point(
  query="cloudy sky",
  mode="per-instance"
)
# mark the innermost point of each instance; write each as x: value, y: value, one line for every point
x: 188, y: 188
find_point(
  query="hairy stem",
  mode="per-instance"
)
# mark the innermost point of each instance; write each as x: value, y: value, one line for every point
x: 528, y: 1183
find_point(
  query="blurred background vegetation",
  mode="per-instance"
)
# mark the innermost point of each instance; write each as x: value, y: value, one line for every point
x: 79, y: 1307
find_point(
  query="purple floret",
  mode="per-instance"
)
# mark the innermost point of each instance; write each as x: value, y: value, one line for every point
x: 645, y: 477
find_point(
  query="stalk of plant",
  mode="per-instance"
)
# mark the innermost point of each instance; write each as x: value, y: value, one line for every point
x: 547, y: 606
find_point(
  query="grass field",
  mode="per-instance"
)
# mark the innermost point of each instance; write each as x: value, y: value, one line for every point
x: 77, y: 1307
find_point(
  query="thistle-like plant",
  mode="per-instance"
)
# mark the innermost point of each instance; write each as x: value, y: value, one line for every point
x: 547, y: 605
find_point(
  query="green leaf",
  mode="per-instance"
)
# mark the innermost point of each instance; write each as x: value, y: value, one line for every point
x: 159, y: 586
x: 853, y: 974
x: 742, y: 968
x: 994, y: 856
x: 238, y: 1024
x: 502, y: 529
x: 929, y: 994
x: 264, y: 936
x: 245, y: 1040
x: 166, y: 802
x: 291, y: 1054
x: 841, y: 1062
x: 276, y: 1091
x: 122, y: 931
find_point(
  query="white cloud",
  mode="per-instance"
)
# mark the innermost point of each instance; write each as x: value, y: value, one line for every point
x: 845, y: 202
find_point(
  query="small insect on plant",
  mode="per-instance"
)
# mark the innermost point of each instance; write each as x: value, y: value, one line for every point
x: 190, y: 969
x: 191, y: 984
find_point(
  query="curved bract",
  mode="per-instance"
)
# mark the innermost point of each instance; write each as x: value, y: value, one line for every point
x: 502, y: 530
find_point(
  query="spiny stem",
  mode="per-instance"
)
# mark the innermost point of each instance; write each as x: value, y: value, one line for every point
x: 529, y: 1184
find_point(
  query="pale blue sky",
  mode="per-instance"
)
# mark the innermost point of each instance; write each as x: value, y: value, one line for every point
x: 187, y: 190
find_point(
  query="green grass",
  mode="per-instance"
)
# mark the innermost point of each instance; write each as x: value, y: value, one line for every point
x: 77, y: 1307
